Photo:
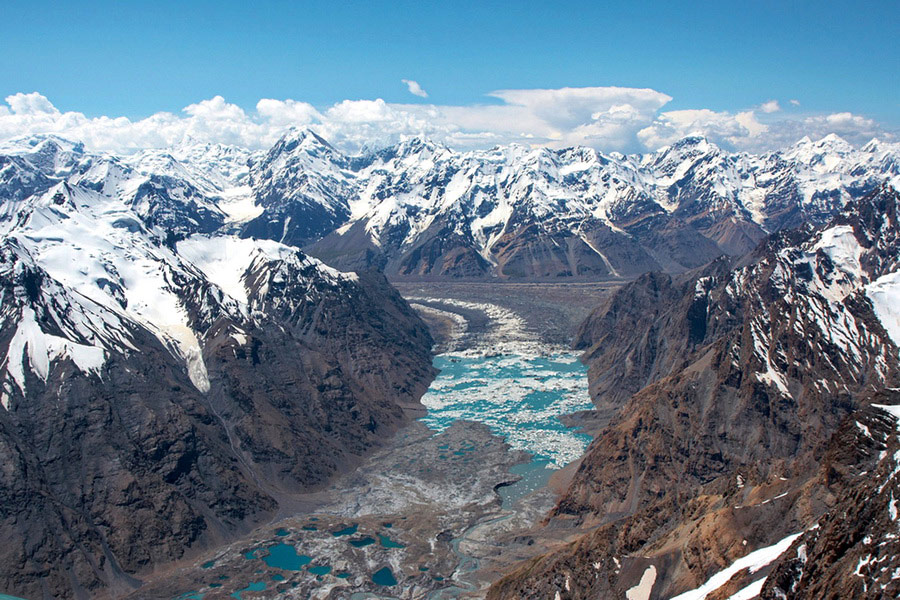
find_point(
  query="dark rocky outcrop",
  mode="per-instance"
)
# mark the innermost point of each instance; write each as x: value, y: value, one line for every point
x: 853, y: 551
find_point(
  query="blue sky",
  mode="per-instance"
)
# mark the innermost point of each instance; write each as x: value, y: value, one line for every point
x: 134, y: 59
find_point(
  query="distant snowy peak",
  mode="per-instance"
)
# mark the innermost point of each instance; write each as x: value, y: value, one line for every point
x: 302, y: 186
x: 224, y: 165
x: 168, y: 195
x: 303, y: 146
x: 42, y: 145
x: 410, y: 192
x: 230, y: 163
x: 829, y: 147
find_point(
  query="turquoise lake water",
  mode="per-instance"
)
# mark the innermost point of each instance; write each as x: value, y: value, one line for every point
x: 384, y: 576
x: 285, y: 556
x: 362, y: 542
x: 346, y: 531
x: 320, y: 570
x: 518, y: 397
x: 387, y: 542
x: 256, y: 586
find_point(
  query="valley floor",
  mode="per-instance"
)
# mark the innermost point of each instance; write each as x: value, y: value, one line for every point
x: 430, y: 515
x: 550, y: 311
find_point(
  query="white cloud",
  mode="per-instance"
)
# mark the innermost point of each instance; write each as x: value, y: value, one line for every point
x: 603, y: 117
x: 31, y: 104
x: 795, y: 102
x: 723, y: 128
x: 771, y: 106
x: 607, y: 118
x: 414, y: 88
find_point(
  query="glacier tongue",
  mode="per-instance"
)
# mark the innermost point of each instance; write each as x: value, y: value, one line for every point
x: 187, y: 345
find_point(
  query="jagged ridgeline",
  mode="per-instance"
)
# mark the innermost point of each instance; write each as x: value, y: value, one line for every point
x: 421, y: 210
x: 751, y: 444
x: 164, y: 389
x: 418, y: 209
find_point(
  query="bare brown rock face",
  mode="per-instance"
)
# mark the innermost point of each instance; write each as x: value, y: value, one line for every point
x: 853, y: 551
x: 726, y: 390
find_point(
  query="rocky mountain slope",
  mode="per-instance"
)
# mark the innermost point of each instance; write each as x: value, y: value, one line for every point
x: 736, y: 399
x: 852, y: 551
x: 166, y: 385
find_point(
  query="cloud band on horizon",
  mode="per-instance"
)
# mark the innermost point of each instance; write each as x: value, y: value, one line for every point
x: 607, y: 118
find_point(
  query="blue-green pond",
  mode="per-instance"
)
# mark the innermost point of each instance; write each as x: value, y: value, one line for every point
x: 285, y: 557
x: 387, y: 542
x: 362, y: 542
x: 320, y: 570
x: 346, y: 531
x: 255, y: 586
x: 384, y: 576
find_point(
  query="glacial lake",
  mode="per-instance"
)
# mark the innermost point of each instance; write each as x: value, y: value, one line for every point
x: 519, y: 398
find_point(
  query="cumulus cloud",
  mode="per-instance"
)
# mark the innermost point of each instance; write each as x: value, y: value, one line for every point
x: 414, y: 88
x: 603, y: 117
x: 606, y: 118
x: 726, y: 129
x: 770, y: 107
x: 794, y: 102
x: 30, y: 104
x: 288, y: 113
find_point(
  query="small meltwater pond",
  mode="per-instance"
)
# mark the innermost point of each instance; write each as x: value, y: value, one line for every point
x: 286, y: 557
x: 520, y: 398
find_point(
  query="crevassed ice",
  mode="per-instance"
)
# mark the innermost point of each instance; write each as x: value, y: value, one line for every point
x: 518, y: 397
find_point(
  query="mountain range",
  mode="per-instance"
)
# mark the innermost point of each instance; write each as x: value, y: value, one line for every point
x: 183, y: 331
x: 421, y: 210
